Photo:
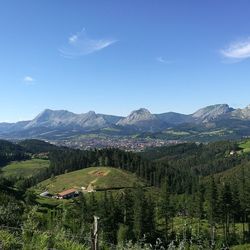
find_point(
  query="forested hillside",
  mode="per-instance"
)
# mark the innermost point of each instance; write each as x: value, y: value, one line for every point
x: 197, y: 196
x: 11, y: 152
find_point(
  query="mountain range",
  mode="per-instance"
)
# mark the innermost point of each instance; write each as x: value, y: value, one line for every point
x: 211, y: 120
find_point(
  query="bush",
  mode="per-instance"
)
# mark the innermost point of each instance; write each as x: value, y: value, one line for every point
x: 8, y: 241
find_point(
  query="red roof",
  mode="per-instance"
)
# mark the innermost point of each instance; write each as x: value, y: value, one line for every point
x: 67, y: 192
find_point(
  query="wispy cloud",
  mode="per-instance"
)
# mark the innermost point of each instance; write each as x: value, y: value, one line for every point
x: 81, y: 44
x: 237, y: 51
x: 28, y: 80
x: 163, y: 60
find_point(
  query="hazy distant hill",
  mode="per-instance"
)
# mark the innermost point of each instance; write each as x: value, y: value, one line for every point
x: 218, y: 120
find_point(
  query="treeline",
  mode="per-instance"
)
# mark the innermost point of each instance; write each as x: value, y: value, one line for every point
x: 36, y: 146
x: 182, y: 165
x: 11, y: 152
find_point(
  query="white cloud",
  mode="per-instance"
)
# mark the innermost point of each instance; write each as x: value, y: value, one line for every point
x: 163, y: 60
x: 73, y: 39
x: 81, y: 44
x: 29, y: 80
x: 239, y: 50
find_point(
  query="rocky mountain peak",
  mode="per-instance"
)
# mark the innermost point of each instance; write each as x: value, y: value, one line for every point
x: 242, y: 113
x: 136, y: 116
x: 141, y: 113
x: 90, y: 115
x: 212, y: 112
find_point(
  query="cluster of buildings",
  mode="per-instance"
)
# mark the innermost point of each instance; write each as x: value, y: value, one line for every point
x: 66, y: 194
x: 125, y: 143
x: 69, y: 193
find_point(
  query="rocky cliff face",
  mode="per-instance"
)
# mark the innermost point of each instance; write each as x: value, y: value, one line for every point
x: 142, y: 120
x: 243, y: 114
x: 137, y: 116
x: 211, y: 113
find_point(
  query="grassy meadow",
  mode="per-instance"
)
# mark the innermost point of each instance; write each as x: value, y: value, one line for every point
x: 24, y: 168
x: 103, y: 178
x: 245, y: 146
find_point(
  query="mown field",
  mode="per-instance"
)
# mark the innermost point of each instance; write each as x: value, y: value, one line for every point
x: 24, y: 168
x: 100, y: 178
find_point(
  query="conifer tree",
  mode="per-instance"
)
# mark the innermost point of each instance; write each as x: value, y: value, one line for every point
x: 225, y: 207
x: 212, y: 209
x: 166, y: 208
x: 139, y: 209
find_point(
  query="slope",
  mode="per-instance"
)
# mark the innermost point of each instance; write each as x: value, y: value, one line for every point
x: 100, y: 178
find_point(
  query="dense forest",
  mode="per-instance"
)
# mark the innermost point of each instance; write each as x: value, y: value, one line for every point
x: 11, y: 152
x: 197, y: 196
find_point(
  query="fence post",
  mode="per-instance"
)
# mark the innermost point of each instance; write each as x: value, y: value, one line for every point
x: 95, y: 245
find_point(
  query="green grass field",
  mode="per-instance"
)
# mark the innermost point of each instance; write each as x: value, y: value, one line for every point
x: 180, y: 133
x: 97, y: 177
x: 245, y: 146
x: 24, y: 168
x: 241, y: 247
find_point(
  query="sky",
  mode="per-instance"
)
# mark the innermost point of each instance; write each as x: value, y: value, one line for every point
x: 116, y: 56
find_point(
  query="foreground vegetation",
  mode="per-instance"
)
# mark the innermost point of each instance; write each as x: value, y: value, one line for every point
x: 199, y: 198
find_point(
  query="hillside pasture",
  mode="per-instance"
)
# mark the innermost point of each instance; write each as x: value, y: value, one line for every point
x: 98, y: 178
x: 245, y: 146
x: 24, y: 169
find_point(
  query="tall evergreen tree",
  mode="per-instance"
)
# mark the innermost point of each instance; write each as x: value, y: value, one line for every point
x: 212, y: 209
x: 225, y: 209
x: 165, y: 208
x: 139, y: 209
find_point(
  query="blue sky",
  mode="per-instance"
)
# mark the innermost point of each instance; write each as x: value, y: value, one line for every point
x: 116, y: 56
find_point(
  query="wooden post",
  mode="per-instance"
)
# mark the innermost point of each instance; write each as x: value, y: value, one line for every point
x: 213, y: 237
x: 95, y: 245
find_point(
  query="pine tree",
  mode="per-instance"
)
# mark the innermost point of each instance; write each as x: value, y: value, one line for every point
x: 212, y: 209
x: 244, y: 190
x: 126, y: 204
x: 149, y: 218
x: 139, y: 209
x: 109, y: 220
x: 225, y: 203
x: 165, y: 208
x: 198, y: 204
x: 236, y: 209
x: 83, y: 215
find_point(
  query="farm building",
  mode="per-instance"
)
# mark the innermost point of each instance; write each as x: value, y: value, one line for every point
x: 67, y: 194
x: 45, y: 194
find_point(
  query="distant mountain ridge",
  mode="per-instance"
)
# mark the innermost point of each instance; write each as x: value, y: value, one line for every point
x: 212, y: 112
x: 62, y: 118
x: 48, y: 122
x: 142, y: 119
